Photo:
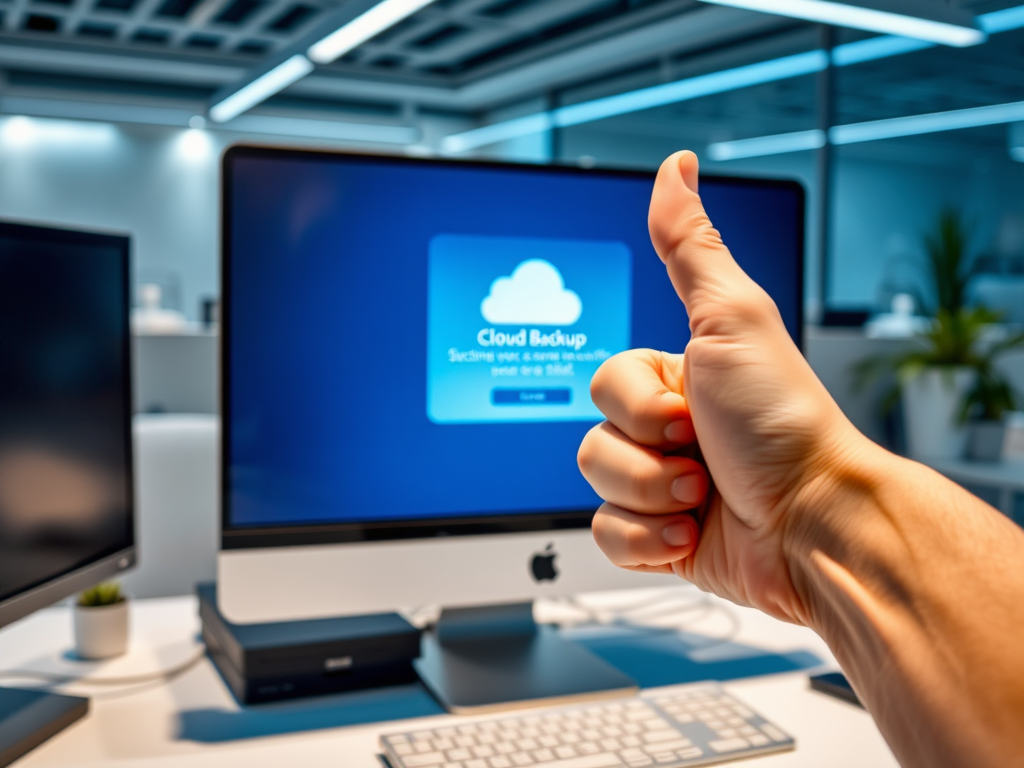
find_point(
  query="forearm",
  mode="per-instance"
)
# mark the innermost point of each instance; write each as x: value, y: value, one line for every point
x: 918, y: 587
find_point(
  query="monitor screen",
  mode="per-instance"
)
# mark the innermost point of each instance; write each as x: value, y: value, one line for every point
x: 409, y: 343
x: 65, y: 404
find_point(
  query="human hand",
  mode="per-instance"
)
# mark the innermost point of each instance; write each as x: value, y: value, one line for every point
x: 771, y: 436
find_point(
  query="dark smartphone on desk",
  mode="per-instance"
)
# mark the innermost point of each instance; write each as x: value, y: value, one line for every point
x: 835, y: 684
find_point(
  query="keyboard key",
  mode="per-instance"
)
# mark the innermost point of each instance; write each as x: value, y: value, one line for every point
x: 500, y: 762
x: 423, y: 760
x: 689, y: 753
x: 587, y: 761
x: 728, y: 745
x: 773, y: 733
x: 758, y: 740
x: 664, y: 757
x: 564, y: 752
x: 652, y: 737
x: 666, y: 746
x: 458, y: 754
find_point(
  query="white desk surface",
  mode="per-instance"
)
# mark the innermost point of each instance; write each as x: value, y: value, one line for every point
x: 144, y: 729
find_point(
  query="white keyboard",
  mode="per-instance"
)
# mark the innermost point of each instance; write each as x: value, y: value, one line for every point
x: 697, y: 725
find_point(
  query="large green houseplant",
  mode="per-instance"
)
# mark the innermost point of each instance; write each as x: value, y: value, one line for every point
x: 949, y: 375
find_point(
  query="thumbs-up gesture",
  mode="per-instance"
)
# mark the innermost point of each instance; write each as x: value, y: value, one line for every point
x: 769, y: 433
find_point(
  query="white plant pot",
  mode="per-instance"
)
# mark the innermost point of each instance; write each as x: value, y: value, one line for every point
x: 931, y: 411
x: 986, y: 440
x: 101, y: 632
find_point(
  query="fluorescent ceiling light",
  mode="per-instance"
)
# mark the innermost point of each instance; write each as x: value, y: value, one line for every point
x: 492, y: 134
x: 1002, y: 21
x: 21, y: 131
x: 874, y: 130
x: 644, y: 98
x: 935, y: 122
x: 692, y: 88
x: 873, y: 48
x: 262, y: 88
x: 767, y: 145
x: 92, y: 110
x: 889, y: 45
x: 935, y: 23
x: 754, y: 74
x: 383, y: 15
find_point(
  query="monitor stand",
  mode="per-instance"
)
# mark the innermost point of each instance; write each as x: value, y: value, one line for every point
x: 495, y: 658
x: 28, y: 718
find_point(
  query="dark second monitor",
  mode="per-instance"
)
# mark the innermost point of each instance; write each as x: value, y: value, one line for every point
x: 65, y: 414
x: 66, y: 507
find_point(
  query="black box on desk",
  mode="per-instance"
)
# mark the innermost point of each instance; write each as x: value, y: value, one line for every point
x: 289, y: 659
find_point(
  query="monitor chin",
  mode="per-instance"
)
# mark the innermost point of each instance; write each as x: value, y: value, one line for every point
x: 304, y: 582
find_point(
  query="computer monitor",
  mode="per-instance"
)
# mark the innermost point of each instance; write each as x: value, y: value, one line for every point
x: 406, y: 358
x: 66, y: 505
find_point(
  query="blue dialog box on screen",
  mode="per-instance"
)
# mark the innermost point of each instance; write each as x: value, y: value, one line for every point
x: 517, y: 326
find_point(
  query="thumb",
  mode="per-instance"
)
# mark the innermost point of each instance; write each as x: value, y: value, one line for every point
x: 699, y: 265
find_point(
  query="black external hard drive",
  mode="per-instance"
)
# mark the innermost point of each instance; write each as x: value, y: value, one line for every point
x: 290, y: 659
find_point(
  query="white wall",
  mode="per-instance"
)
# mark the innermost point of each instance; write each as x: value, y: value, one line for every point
x: 161, y: 185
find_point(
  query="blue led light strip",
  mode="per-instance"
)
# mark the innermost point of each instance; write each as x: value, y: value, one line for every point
x: 872, y: 130
x: 773, y: 70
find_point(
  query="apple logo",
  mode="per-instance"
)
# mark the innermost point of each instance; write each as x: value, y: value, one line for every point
x: 543, y: 564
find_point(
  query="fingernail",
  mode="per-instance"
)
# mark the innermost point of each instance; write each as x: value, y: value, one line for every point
x: 678, y: 534
x: 687, y: 489
x: 680, y: 431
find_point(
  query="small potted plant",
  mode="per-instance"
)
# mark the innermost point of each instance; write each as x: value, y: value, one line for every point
x: 932, y: 382
x: 988, y: 403
x: 950, y: 376
x: 101, y: 622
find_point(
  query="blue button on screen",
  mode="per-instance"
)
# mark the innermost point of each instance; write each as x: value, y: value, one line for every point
x: 559, y: 396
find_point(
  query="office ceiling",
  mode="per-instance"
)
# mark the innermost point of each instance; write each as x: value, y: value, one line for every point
x: 465, y: 57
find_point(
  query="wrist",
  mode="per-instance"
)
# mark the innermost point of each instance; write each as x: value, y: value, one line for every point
x: 838, y: 502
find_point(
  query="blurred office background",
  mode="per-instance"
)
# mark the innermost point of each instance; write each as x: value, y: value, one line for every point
x: 104, y: 124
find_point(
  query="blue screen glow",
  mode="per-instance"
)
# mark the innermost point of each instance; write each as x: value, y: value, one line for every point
x: 415, y: 340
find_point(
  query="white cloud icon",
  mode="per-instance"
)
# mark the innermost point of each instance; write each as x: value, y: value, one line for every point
x: 534, y: 294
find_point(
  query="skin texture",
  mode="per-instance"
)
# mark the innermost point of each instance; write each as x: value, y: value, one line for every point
x: 916, y: 585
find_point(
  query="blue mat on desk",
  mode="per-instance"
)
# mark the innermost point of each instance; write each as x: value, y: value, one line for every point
x: 652, y: 657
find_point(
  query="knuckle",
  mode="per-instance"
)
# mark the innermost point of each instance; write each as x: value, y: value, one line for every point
x: 586, y: 456
x: 643, y: 479
x: 636, y: 539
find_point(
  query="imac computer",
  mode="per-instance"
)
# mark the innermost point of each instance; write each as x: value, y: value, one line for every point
x: 66, y: 505
x: 406, y: 360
